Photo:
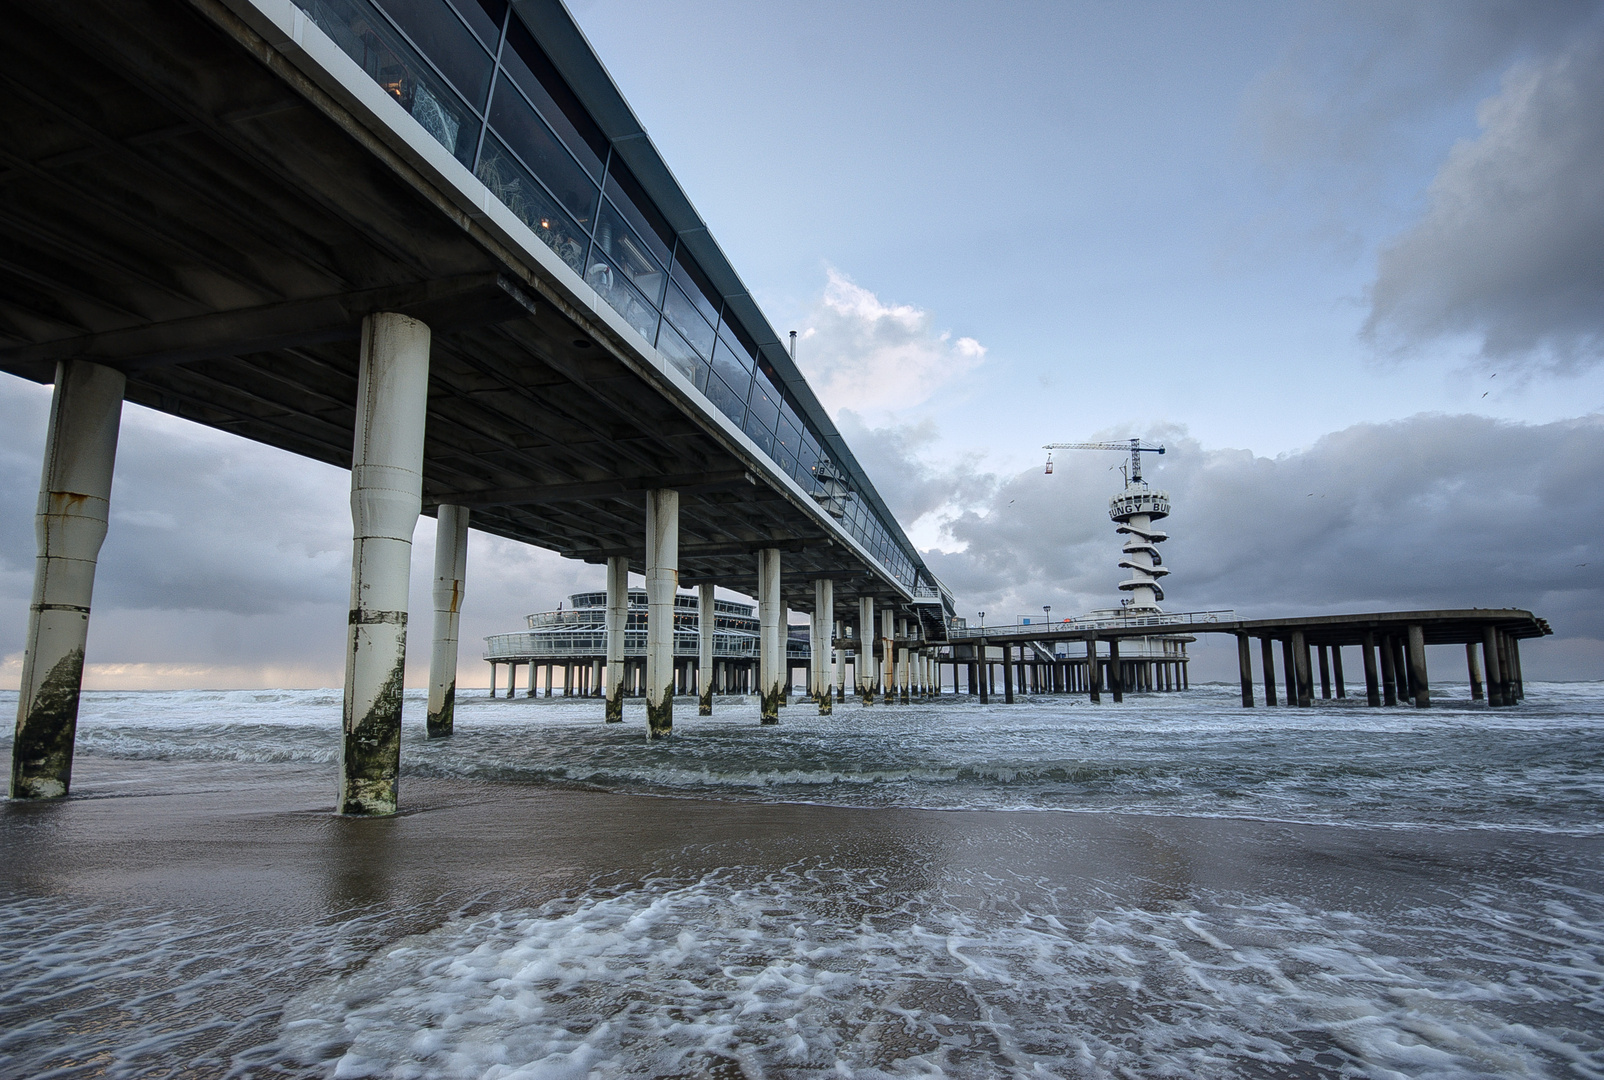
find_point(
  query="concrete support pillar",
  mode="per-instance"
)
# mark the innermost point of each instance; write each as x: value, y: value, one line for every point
x: 1473, y: 667
x: 1094, y: 682
x: 662, y: 582
x: 1305, y: 676
x: 1336, y: 672
x: 1389, y: 674
x: 771, y: 643
x: 838, y: 656
x: 1497, y: 676
x: 1244, y: 663
x: 392, y: 400
x: 1267, y: 657
x: 617, y: 621
x: 824, y: 645
x: 863, y: 663
x: 69, y: 527
x: 450, y: 574
x: 904, y: 678
x: 1417, y: 667
x: 1289, y: 666
x: 1325, y: 674
x: 593, y: 686
x: 1116, y: 672
x: 1372, y: 683
x: 888, y: 657
x: 492, y: 678
x: 1008, y: 674
x: 1400, y: 666
x: 1514, y: 659
x: 982, y: 669
x: 706, y: 628
x: 512, y: 676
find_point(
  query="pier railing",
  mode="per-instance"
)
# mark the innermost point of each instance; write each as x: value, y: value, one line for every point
x: 1167, y: 620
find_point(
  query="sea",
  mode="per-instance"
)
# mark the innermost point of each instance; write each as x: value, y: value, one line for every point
x: 1173, y: 886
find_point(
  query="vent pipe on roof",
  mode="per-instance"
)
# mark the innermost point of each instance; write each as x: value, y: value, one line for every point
x: 793, y: 346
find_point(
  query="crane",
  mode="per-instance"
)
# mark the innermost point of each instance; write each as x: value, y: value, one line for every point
x: 1135, y: 446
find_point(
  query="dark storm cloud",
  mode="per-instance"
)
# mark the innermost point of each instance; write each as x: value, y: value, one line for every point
x: 1432, y: 511
x: 1509, y: 249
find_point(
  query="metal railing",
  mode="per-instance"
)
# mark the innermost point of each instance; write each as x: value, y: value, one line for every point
x: 527, y: 645
x: 1084, y: 623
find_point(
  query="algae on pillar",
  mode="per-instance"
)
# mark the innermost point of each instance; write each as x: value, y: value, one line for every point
x: 69, y: 527
x: 450, y: 574
x: 706, y: 627
x: 386, y: 496
x: 771, y: 646
x: 662, y: 581
x: 617, y: 621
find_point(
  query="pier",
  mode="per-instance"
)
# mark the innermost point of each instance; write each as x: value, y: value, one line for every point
x: 1391, y: 651
x: 432, y: 244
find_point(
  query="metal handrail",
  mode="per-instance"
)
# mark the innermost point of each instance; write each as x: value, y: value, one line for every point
x: 1118, y: 622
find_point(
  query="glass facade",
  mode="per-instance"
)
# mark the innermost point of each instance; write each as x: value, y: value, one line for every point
x: 474, y: 77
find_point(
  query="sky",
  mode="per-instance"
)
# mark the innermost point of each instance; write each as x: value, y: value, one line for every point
x: 1345, y: 260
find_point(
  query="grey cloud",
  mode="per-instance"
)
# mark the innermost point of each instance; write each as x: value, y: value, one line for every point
x: 895, y: 459
x: 1507, y: 251
x: 1432, y: 511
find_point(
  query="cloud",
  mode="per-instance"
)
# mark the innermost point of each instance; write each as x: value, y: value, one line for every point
x: 1432, y: 511
x: 863, y: 354
x: 227, y: 563
x: 1507, y: 252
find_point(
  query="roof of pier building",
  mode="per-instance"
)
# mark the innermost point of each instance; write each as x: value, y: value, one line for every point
x: 210, y: 195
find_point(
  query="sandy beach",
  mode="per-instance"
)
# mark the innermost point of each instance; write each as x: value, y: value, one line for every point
x: 275, y: 894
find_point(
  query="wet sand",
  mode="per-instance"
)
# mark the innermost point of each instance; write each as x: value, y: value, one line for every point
x: 173, y: 914
x: 261, y: 838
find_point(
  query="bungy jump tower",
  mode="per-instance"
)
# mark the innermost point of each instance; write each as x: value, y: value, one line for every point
x: 1135, y: 511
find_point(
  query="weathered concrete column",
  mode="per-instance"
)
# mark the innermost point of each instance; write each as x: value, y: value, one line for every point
x: 1325, y: 673
x: 1289, y: 666
x: 1497, y: 676
x: 492, y: 678
x: 863, y: 662
x: 904, y: 675
x: 1514, y: 659
x: 662, y: 581
x: 1473, y: 666
x: 1400, y: 667
x: 1367, y: 654
x: 1267, y: 656
x: 888, y: 657
x: 392, y: 401
x: 1389, y: 676
x: 450, y: 573
x: 838, y: 657
x: 1336, y: 672
x: 706, y: 628
x: 69, y: 527
x: 1244, y: 663
x: 771, y: 646
x: 1116, y: 672
x: 1094, y: 679
x: 824, y: 620
x: 617, y: 620
x: 1417, y: 667
x: 1305, y: 677
x: 1008, y: 674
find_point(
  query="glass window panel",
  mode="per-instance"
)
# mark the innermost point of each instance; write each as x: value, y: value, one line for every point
x: 367, y: 37
x: 523, y: 195
x: 696, y: 286
x: 808, y: 463
x: 614, y: 287
x: 736, y: 337
x: 789, y: 436
x: 786, y: 459
x: 760, y: 434
x: 764, y: 402
x: 631, y: 198
x: 684, y: 315
x: 485, y: 17
x: 441, y: 36
x: 681, y: 355
x: 533, y: 70
x: 728, y: 402
x: 528, y: 136
x: 731, y: 370
x: 625, y: 250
